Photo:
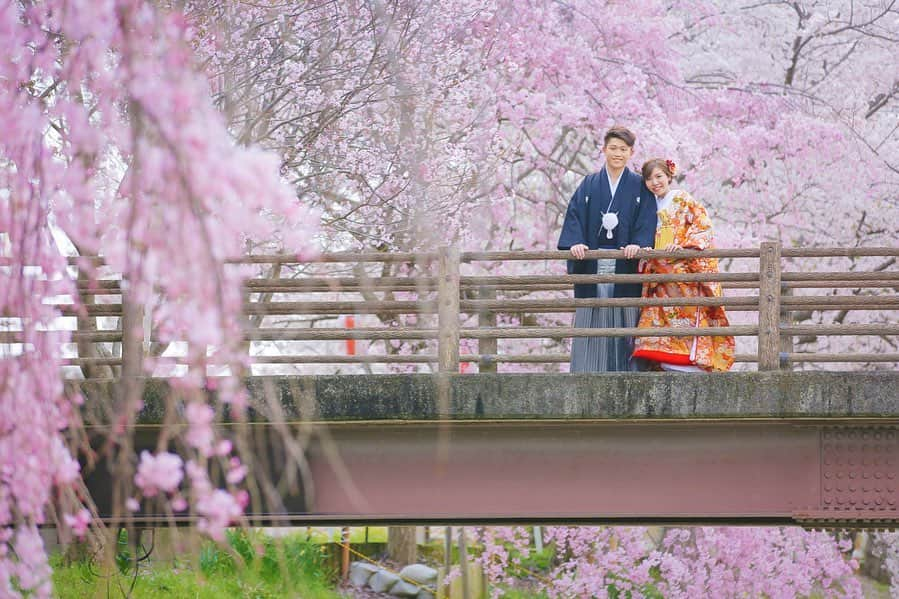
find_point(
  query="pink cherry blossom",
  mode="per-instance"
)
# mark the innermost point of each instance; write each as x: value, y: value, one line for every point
x: 79, y: 522
x: 218, y: 509
x: 162, y: 472
x: 236, y: 471
x: 199, y: 417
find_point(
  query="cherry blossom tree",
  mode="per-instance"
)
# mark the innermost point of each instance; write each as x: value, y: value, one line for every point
x: 110, y: 140
x: 482, y: 116
x: 697, y: 562
x: 821, y: 169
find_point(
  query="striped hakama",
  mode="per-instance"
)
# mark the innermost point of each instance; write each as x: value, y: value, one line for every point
x: 604, y: 354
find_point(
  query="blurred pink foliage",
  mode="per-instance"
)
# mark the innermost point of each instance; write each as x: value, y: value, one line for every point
x: 109, y: 134
x: 162, y: 472
x: 681, y: 563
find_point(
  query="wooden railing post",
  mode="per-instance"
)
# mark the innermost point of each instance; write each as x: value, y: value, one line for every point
x: 487, y: 319
x: 448, y: 310
x: 786, y: 341
x: 132, y: 323
x: 769, y: 306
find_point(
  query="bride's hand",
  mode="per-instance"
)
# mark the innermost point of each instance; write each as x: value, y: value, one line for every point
x: 672, y: 247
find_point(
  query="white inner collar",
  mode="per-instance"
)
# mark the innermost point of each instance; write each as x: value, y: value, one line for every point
x: 613, y: 185
x: 664, y: 203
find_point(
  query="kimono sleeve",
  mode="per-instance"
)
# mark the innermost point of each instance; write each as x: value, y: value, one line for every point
x: 644, y: 230
x: 698, y: 227
x: 574, y: 224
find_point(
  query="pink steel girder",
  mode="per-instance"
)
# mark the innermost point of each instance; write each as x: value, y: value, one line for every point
x: 817, y: 473
x: 755, y: 471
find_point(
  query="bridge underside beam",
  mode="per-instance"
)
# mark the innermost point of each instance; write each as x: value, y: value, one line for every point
x: 702, y: 473
x: 697, y: 473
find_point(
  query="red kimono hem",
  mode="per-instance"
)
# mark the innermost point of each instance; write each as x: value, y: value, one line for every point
x: 666, y: 357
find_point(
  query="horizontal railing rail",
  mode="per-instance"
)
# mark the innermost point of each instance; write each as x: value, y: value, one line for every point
x: 437, y: 314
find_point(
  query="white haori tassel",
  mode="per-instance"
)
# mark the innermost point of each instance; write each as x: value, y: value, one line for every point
x: 609, y: 222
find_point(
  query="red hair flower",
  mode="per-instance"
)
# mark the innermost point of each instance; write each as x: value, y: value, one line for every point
x: 672, y: 168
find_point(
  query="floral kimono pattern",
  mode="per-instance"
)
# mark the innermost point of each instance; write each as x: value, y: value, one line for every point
x: 686, y: 223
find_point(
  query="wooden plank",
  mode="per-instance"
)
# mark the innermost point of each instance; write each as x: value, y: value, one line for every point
x: 507, y: 256
x: 841, y: 329
x: 549, y: 332
x: 610, y: 278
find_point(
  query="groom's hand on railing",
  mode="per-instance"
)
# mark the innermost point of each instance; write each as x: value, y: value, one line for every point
x: 630, y: 251
x: 579, y: 251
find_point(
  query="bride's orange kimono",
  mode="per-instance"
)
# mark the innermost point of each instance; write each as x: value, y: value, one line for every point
x: 684, y: 221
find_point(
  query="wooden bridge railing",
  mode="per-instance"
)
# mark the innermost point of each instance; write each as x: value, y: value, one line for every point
x: 417, y: 288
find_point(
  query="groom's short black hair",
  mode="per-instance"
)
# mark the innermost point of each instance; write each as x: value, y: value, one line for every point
x: 622, y: 133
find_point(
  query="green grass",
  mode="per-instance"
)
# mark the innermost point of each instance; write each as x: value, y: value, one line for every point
x: 376, y: 534
x: 253, y: 566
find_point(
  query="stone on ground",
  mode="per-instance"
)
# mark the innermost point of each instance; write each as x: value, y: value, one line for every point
x: 360, y: 572
x: 419, y: 573
x: 404, y: 589
x: 383, y: 581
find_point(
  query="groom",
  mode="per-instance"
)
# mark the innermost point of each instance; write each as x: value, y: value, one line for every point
x: 611, y: 209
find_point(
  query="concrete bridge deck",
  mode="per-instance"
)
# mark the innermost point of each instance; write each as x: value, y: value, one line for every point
x: 815, y: 448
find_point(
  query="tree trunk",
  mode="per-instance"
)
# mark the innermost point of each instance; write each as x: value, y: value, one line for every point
x: 401, y: 544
